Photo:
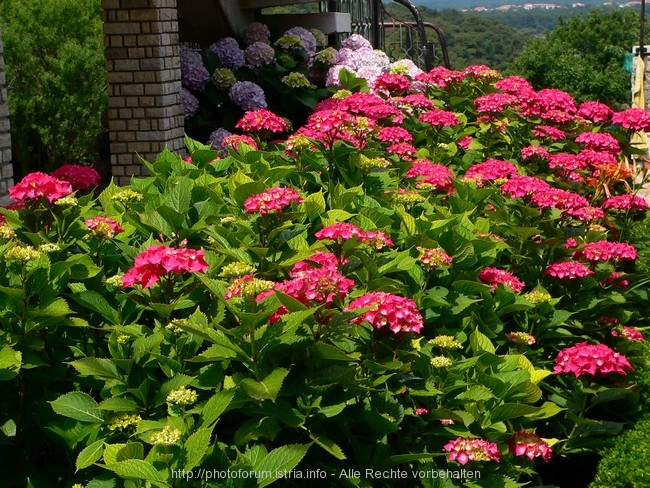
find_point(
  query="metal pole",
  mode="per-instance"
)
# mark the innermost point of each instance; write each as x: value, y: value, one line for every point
x: 642, y: 36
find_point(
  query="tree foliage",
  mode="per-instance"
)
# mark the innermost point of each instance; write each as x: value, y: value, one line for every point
x: 54, y: 58
x: 583, y: 56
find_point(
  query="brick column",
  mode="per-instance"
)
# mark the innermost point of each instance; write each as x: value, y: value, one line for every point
x: 145, y: 114
x: 6, y: 169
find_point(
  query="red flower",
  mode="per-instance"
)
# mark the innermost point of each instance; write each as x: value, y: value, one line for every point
x: 496, y: 276
x: 399, y: 313
x: 590, y: 359
x: 157, y: 261
x: 530, y: 445
x: 520, y: 186
x: 490, y: 170
x: 341, y: 231
x: 629, y: 333
x: 36, y: 186
x: 262, y: 120
x: 104, y: 226
x: 635, y: 119
x: 431, y: 175
x: 472, y: 449
x: 568, y: 269
x: 605, y: 251
x: 79, y: 176
x: 595, y: 111
x: 599, y: 141
x: 626, y: 202
x: 272, y: 200
x: 440, y: 118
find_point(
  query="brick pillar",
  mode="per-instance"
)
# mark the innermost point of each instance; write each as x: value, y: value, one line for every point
x: 6, y: 169
x: 145, y: 114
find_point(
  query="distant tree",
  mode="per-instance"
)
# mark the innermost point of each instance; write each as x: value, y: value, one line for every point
x: 54, y: 55
x: 583, y: 56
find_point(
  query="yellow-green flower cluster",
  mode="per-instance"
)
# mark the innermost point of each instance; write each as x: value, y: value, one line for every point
x: 115, y: 280
x: 223, y: 79
x: 326, y: 56
x: 66, y: 201
x: 127, y: 196
x: 49, y: 247
x: 77, y: 485
x: 22, y: 254
x: 364, y: 163
x: 182, y: 396
x: 175, y: 324
x: 341, y: 94
x: 236, y: 269
x: 521, y: 338
x: 6, y: 232
x: 441, y: 362
x: 124, y: 422
x: 445, y: 342
x: 166, y: 437
x: 296, y: 80
x: 537, y: 297
x: 123, y: 338
x: 407, y: 197
x: 228, y: 219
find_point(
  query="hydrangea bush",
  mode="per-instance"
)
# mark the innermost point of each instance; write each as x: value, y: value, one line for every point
x: 286, y: 75
x: 431, y: 273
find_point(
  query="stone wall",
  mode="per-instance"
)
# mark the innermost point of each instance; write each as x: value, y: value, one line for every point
x: 6, y: 169
x: 143, y: 67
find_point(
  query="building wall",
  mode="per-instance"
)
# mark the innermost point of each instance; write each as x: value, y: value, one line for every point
x: 144, y: 77
x: 6, y: 169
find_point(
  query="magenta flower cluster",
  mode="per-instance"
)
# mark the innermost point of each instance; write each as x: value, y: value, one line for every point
x: 157, y: 261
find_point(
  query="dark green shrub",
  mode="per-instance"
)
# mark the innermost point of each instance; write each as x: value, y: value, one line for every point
x: 54, y: 59
x: 625, y: 464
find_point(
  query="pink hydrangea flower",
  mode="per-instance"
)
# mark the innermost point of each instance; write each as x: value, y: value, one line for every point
x: 104, y: 226
x: 521, y: 338
x: 394, y: 135
x: 558, y: 198
x: 490, y: 170
x: 494, y: 103
x: 398, y: 313
x: 439, y: 118
x: 257, y: 121
x: 464, y: 450
x: 548, y: 131
x: 605, y: 251
x: 465, y: 142
x: 421, y: 411
x: 626, y: 202
x: 568, y: 269
x: 496, y: 276
x: 156, y: 261
x: 433, y: 258
x: 274, y: 199
x: 634, y: 119
x: 440, y: 76
x: 38, y: 186
x: 590, y: 359
x: 566, y: 161
x: 341, y: 231
x: 392, y: 83
x: 599, y: 141
x: 431, y: 175
x: 585, y: 213
x: 232, y: 141
x: 595, y: 111
x: 79, y: 176
x: 629, y: 333
x: 520, y: 186
x: 530, y: 445
x: 402, y: 149
x: 530, y: 152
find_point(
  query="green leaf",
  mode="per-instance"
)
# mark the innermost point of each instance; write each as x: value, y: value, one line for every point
x: 508, y: 411
x: 216, y: 405
x: 475, y: 394
x: 327, y: 351
x: 480, y: 343
x: 279, y: 460
x: 329, y: 445
x: 90, y: 454
x: 196, y: 446
x: 132, y: 450
x: 468, y: 287
x: 10, y: 362
x: 116, y: 404
x: 96, y: 302
x: 101, y: 367
x: 136, y: 469
x: 268, y: 388
x: 78, y: 405
x: 179, y: 197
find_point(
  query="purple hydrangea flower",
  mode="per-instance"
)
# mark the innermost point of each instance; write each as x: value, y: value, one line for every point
x: 248, y: 96
x: 307, y: 38
x: 229, y: 53
x: 194, y: 76
x: 216, y: 140
x: 190, y: 104
x: 259, y: 54
x: 256, y: 32
x: 356, y: 42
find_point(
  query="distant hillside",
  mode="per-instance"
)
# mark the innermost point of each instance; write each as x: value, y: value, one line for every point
x: 470, y: 4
